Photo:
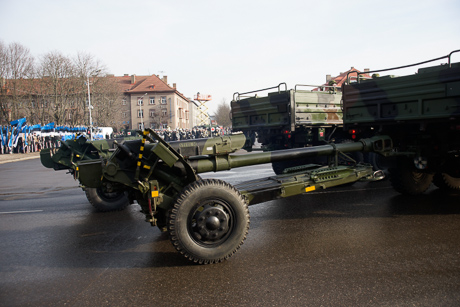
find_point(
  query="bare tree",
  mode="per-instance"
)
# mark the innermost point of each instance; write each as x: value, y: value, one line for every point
x: 59, y: 85
x: 3, y: 78
x: 106, y: 101
x: 56, y: 89
x: 88, y: 70
x: 223, y: 114
x: 16, y: 65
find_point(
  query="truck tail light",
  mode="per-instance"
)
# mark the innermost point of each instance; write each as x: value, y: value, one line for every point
x: 353, y: 133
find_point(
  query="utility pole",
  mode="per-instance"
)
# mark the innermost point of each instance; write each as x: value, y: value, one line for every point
x: 90, y: 107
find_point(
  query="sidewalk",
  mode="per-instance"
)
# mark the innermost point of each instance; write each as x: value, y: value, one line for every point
x: 5, y: 158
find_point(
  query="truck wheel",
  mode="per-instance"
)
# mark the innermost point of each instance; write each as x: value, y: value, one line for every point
x: 104, y: 202
x: 446, y: 182
x: 279, y: 167
x: 209, y: 221
x: 405, y: 179
x: 378, y: 162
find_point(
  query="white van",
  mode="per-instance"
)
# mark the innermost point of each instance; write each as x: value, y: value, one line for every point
x: 102, y: 132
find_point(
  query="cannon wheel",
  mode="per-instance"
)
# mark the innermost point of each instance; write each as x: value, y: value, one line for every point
x: 209, y: 221
x: 407, y: 180
x: 105, y: 202
x: 446, y: 182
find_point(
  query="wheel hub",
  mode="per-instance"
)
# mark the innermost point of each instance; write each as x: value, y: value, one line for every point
x: 212, y: 224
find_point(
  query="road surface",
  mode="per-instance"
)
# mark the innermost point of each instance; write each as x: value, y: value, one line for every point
x: 358, y: 245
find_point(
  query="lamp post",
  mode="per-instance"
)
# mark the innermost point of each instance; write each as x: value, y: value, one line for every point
x: 90, y: 107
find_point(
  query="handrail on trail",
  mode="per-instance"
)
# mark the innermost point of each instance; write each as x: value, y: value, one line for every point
x: 400, y: 67
x: 256, y: 91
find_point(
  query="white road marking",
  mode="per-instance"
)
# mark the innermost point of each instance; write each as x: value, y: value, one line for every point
x: 14, y: 212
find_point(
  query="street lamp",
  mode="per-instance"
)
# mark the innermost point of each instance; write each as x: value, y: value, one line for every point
x: 90, y: 107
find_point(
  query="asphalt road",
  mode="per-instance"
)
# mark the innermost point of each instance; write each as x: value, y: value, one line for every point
x: 361, y: 245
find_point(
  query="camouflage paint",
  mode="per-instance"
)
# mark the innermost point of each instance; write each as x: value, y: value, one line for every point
x: 433, y: 94
x: 286, y: 110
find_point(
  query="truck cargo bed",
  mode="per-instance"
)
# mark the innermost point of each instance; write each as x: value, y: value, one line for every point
x: 430, y: 95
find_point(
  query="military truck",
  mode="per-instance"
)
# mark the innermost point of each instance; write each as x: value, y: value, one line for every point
x: 420, y: 113
x: 308, y: 115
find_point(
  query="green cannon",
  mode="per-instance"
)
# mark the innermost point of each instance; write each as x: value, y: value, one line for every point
x: 103, y: 198
x: 208, y: 219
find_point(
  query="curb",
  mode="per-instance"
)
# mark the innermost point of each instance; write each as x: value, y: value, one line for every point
x: 7, y: 158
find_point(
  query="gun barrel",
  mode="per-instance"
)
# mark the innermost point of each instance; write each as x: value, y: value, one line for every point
x: 211, y: 146
x: 226, y: 162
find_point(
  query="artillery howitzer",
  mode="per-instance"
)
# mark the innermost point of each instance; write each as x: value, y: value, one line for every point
x: 208, y: 219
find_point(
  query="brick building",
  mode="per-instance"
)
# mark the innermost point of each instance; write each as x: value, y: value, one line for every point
x: 149, y: 101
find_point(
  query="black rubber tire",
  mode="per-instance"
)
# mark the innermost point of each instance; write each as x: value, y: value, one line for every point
x: 378, y: 162
x: 406, y: 179
x: 105, y: 202
x: 209, y: 221
x: 446, y: 182
x: 278, y: 167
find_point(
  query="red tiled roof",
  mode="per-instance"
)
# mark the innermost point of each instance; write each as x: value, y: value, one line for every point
x: 342, y: 77
x: 145, y: 84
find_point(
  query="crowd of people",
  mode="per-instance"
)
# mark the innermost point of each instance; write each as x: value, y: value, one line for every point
x: 30, y: 143
x: 195, y: 133
x: 34, y: 141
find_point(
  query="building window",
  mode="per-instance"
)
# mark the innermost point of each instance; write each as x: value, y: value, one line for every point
x: 165, y: 126
x: 123, y: 102
x: 165, y: 112
x: 152, y: 126
x: 140, y: 113
x: 152, y: 100
x: 124, y: 114
x: 163, y: 99
x: 152, y: 113
x: 141, y: 126
x: 140, y: 102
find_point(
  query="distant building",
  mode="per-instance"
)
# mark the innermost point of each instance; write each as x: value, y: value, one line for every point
x: 150, y: 102
x: 194, y: 113
x: 341, y: 78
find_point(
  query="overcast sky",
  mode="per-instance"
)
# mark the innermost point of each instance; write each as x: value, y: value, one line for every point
x: 222, y: 47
